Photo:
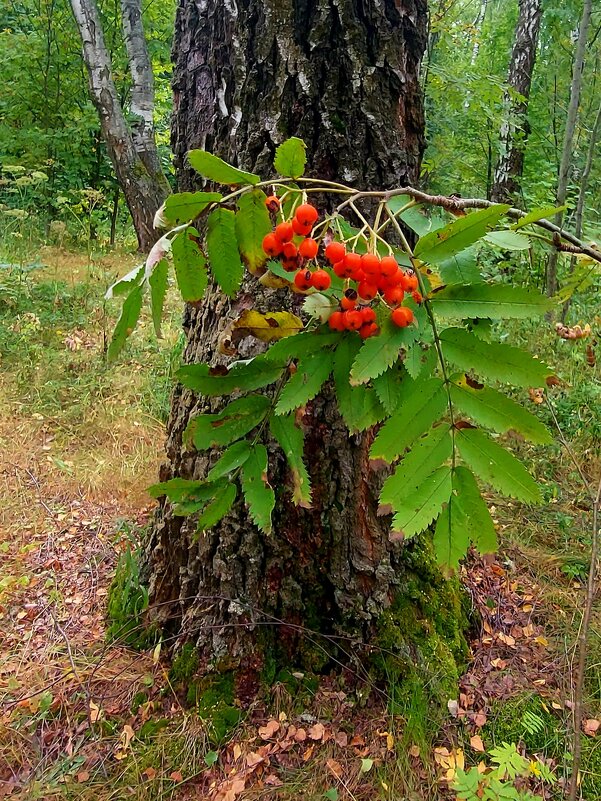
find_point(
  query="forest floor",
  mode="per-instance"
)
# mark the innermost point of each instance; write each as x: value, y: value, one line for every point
x: 82, y: 719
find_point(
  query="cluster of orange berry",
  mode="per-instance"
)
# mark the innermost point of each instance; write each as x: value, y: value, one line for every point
x: 372, y: 275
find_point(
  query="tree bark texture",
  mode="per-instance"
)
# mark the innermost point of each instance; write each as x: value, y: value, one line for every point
x: 144, y: 191
x: 568, y: 137
x: 515, y: 128
x: 343, y: 76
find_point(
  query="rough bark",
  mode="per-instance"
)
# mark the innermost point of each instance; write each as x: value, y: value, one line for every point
x: 568, y: 137
x: 515, y: 128
x: 344, y: 77
x: 144, y: 191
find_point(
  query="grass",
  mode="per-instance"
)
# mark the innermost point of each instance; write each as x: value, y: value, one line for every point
x: 79, y: 447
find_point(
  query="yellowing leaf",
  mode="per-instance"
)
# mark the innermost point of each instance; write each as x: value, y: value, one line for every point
x: 268, y: 327
x: 476, y: 743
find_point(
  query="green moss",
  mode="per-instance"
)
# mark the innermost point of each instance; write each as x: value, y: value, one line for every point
x: 184, y: 665
x: 214, y: 699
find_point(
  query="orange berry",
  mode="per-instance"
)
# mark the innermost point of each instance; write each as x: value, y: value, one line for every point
x: 352, y: 263
x: 396, y: 279
x: 284, y: 231
x: 368, y: 314
x: 308, y: 248
x: 417, y: 297
x: 336, y: 321
x: 349, y: 301
x: 394, y: 295
x: 409, y: 281
x: 290, y: 250
x: 340, y: 269
x: 306, y: 214
x: 302, y: 280
x: 290, y: 265
x: 370, y: 264
x: 272, y: 245
x: 352, y: 320
x: 300, y: 230
x: 321, y: 280
x: 367, y: 290
x: 402, y: 316
x: 335, y: 252
x: 272, y: 202
x: 388, y: 266
x: 368, y: 330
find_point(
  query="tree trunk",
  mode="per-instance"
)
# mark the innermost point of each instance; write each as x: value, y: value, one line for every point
x: 568, y: 137
x: 144, y: 191
x: 346, y: 81
x: 515, y: 128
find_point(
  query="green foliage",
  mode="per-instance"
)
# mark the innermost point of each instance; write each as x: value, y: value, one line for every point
x: 222, y: 250
x: 127, y: 602
x: 130, y: 314
x: 215, y: 169
x: 184, y: 207
x: 257, y: 492
x: 252, y: 224
x: 291, y: 158
x: 189, y: 265
x: 440, y: 245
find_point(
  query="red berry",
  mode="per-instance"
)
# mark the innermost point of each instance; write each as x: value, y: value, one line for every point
x: 272, y: 245
x: 340, y: 269
x: 368, y: 314
x: 335, y: 252
x: 284, y: 231
x: 306, y: 214
x: 368, y: 330
x: 352, y: 263
x: 303, y: 280
x: 290, y: 250
x: 336, y: 321
x: 300, y: 230
x: 290, y: 265
x: 396, y: 279
x: 402, y: 316
x: 409, y: 281
x: 349, y: 301
x: 417, y: 297
x: 321, y: 280
x: 394, y: 295
x: 370, y: 264
x: 272, y: 202
x: 308, y: 248
x: 388, y: 266
x: 353, y: 320
x: 367, y: 290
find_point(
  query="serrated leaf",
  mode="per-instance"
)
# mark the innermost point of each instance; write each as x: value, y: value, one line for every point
x: 439, y: 245
x: 419, y: 507
x: 496, y: 466
x: 422, y: 404
x: 268, y: 327
x: 451, y: 539
x: 233, y: 458
x: 508, y: 240
x: 538, y: 214
x: 420, y: 359
x: 291, y: 158
x: 479, y: 523
x: 222, y: 250
x: 237, y: 419
x: 381, y: 352
x: 252, y: 225
x: 218, y: 170
x: 189, y: 263
x: 388, y: 386
x: 461, y: 268
x: 302, y: 344
x: 426, y: 455
x: 258, y: 493
x: 214, y: 381
x: 311, y: 373
x: 158, y: 289
x: 496, y: 301
x: 492, y: 360
x: 186, y: 206
x: 177, y: 489
x: 217, y: 507
x: 492, y: 409
x: 359, y: 406
x: 128, y: 319
x: 291, y: 440
x: 126, y: 283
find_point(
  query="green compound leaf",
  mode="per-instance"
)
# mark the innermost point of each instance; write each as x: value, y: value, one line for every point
x: 420, y: 359
x: 439, y: 245
x: 218, y: 170
x: 233, y: 458
x: 237, y: 419
x: 158, y: 289
x: 311, y: 373
x: 388, y: 386
x: 492, y: 360
x: 217, y: 507
x: 292, y: 441
x: 509, y: 240
x: 496, y: 465
x: 190, y: 265
x: 461, y: 269
x: 179, y: 489
x: 381, y: 352
x: 426, y: 455
x: 359, y: 406
x: 222, y: 250
x: 240, y: 376
x: 184, y: 207
x: 302, y: 344
x: 418, y: 508
x: 538, y: 214
x: 258, y: 493
x: 479, y: 523
x: 252, y: 225
x: 421, y: 404
x: 291, y: 158
x: 128, y: 319
x: 492, y: 409
x: 495, y: 301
